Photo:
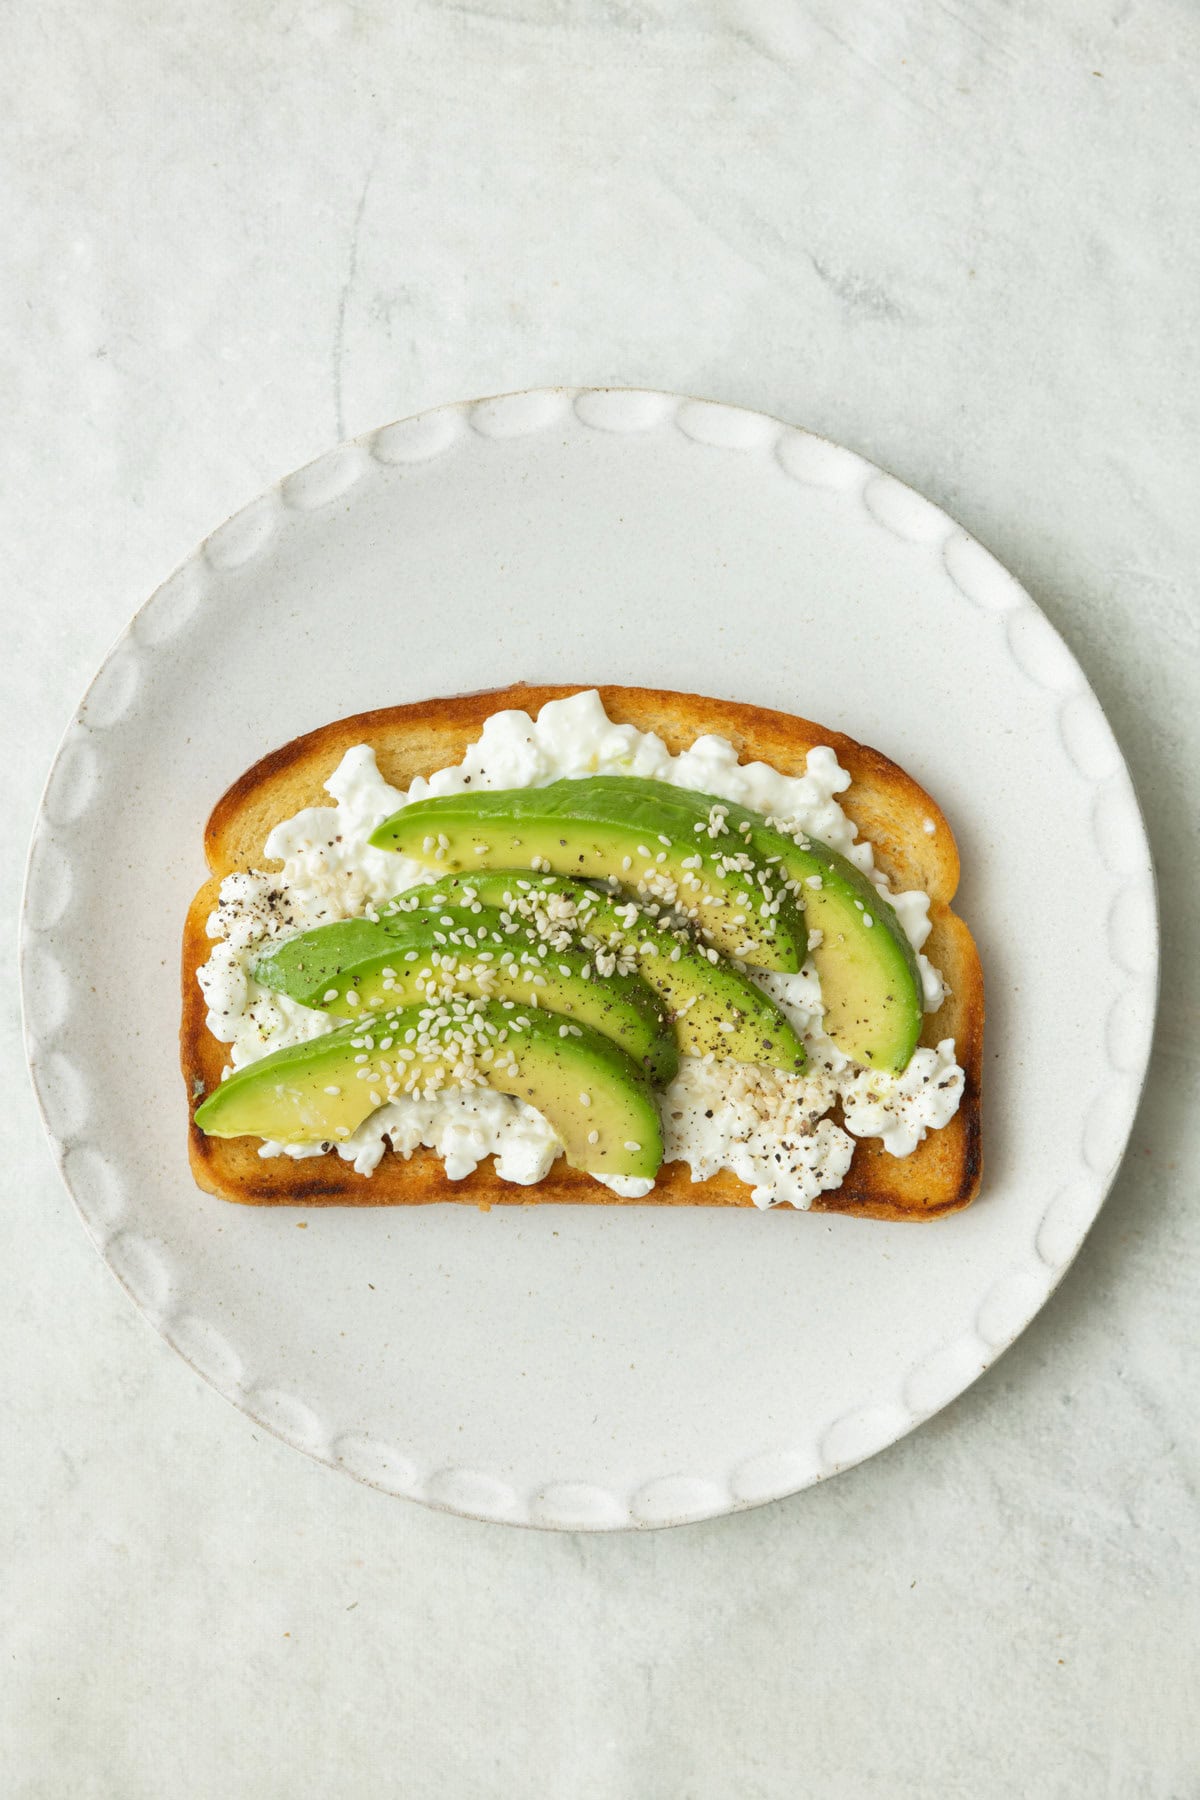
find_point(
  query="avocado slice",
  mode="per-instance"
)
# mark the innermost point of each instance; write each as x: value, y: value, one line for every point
x: 713, y: 1007
x: 356, y: 967
x: 615, y: 828
x: 870, y: 981
x: 592, y: 1094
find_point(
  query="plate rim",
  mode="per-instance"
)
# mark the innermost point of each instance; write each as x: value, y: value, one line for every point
x: 901, y: 511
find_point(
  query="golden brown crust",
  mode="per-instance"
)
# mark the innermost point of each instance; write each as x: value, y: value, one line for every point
x: 888, y: 806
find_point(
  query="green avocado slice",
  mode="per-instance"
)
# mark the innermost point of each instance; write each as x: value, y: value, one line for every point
x: 356, y: 967
x: 617, y: 830
x: 713, y: 1007
x: 870, y: 982
x: 591, y: 1093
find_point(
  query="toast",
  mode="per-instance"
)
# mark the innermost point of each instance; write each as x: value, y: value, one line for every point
x: 889, y: 808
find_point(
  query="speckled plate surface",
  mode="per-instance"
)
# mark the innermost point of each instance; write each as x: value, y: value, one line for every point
x: 594, y: 1368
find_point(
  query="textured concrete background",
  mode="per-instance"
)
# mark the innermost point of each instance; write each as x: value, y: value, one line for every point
x: 960, y: 238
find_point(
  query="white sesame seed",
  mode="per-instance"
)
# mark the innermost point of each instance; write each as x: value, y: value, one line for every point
x: 632, y: 1144
x: 593, y: 1137
x: 333, y: 1090
x: 585, y: 1099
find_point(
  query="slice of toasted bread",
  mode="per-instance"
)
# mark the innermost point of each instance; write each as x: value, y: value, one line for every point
x: 889, y: 808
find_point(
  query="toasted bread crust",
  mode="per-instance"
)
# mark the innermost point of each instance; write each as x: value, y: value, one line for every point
x: 890, y: 809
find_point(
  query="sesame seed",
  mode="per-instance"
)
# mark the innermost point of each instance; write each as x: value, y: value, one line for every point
x: 585, y: 1099
x: 632, y: 1144
x: 333, y: 1090
x: 593, y: 1137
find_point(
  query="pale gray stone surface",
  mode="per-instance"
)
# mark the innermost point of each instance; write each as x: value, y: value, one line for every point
x: 961, y: 240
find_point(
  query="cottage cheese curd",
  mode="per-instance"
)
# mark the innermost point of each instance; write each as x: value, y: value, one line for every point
x: 770, y: 1129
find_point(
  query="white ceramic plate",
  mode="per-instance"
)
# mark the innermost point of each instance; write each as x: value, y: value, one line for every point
x: 586, y: 1367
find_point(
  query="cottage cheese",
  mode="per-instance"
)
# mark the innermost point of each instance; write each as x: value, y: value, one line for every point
x: 771, y: 1130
